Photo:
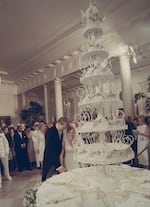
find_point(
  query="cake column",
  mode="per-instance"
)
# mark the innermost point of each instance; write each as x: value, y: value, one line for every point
x: 46, y: 103
x: 125, y: 73
x: 58, y: 98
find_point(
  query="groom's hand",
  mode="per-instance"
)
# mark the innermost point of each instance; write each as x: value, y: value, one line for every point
x: 60, y: 169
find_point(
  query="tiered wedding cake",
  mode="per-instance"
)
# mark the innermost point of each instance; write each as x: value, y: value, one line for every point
x: 101, y: 141
x: 101, y: 125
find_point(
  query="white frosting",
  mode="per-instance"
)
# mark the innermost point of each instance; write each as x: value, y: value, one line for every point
x: 103, y: 154
x: 102, y: 126
x: 112, y: 186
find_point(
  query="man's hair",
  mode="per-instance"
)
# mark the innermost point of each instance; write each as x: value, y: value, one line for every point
x: 18, y: 126
x: 63, y: 120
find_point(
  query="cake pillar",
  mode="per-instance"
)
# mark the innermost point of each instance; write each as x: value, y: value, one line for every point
x: 46, y: 103
x: 58, y: 98
x: 125, y: 74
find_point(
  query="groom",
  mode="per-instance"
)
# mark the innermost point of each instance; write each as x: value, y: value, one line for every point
x: 53, y: 147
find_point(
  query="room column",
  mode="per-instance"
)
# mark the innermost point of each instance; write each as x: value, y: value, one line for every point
x: 125, y: 74
x: 58, y: 98
x: 46, y: 103
x: 23, y: 97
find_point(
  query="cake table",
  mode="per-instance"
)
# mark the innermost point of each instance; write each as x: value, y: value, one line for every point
x: 109, y: 186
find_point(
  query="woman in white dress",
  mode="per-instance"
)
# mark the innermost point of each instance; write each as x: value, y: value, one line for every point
x: 143, y: 142
x: 35, y: 139
x: 66, y: 156
x: 4, y: 151
x: 42, y: 129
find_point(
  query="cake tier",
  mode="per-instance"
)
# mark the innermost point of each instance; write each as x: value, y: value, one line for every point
x: 111, y: 186
x: 95, y: 52
x: 102, y: 126
x: 103, y: 153
x: 92, y: 28
x: 96, y: 101
x: 94, y: 77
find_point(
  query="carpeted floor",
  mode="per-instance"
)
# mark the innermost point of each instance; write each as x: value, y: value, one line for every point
x: 12, y: 192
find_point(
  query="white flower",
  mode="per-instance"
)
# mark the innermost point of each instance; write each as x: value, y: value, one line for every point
x: 30, y: 196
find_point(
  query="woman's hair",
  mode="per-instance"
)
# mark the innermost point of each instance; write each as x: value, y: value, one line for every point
x: 70, y: 128
x: 141, y: 117
x: 1, y: 131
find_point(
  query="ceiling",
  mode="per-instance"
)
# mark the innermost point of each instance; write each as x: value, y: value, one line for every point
x: 34, y: 33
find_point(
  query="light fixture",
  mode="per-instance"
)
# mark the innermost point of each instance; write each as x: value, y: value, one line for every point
x: 35, y: 73
x: 66, y: 57
x: 3, y: 72
x: 40, y: 70
x: 30, y: 76
x: 133, y: 54
x: 58, y: 61
x: 51, y: 65
x: 75, y: 52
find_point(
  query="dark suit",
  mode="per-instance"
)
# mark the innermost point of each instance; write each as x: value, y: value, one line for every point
x: 53, y: 147
x: 21, y: 153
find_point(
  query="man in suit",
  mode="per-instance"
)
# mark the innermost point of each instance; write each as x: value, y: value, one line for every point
x: 53, y: 147
x: 20, y: 141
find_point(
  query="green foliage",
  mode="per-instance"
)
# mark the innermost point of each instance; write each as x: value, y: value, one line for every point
x: 30, y: 196
x: 32, y: 114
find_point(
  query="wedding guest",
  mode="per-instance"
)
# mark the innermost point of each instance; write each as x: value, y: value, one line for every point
x: 143, y: 133
x: 53, y: 147
x: 134, y: 145
x: 35, y: 138
x: 21, y: 140
x: 49, y: 124
x: 42, y: 129
x: 148, y: 121
x: 11, y: 150
x: 30, y: 148
x: 2, y: 124
x: 12, y: 132
x: 4, y: 151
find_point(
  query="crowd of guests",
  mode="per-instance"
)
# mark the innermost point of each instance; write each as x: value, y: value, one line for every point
x: 139, y: 128
x: 49, y: 147
x: 35, y: 147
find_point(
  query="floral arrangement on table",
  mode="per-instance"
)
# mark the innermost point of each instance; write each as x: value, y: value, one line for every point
x: 30, y: 196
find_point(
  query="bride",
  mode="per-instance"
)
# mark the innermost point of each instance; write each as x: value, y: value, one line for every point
x: 66, y: 156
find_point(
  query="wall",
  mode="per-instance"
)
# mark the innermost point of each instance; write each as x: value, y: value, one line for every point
x: 139, y: 84
x: 8, y: 101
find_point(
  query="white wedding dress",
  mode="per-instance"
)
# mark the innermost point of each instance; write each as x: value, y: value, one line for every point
x: 69, y: 162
